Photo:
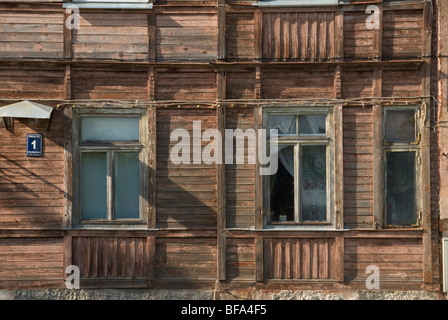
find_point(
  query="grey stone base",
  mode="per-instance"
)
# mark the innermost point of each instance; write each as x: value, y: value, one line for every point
x: 189, y: 294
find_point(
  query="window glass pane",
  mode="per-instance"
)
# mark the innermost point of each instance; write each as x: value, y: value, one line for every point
x: 286, y: 124
x: 401, y: 192
x: 313, y: 186
x: 312, y: 124
x: 127, y: 185
x: 93, y: 185
x: 400, y: 126
x: 282, y: 186
x: 110, y: 128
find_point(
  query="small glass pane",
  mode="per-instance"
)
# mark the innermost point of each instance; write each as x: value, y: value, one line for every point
x: 94, y: 185
x: 312, y: 124
x: 282, y: 187
x: 400, y: 126
x: 313, y: 186
x: 401, y: 192
x: 286, y: 124
x: 127, y: 185
x: 109, y: 129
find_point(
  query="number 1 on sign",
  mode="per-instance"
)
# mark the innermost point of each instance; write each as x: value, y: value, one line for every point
x: 33, y: 143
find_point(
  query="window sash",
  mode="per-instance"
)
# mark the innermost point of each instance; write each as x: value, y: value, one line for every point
x: 111, y: 149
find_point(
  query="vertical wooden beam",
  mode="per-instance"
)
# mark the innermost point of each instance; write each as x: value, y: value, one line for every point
x: 221, y: 29
x: 259, y: 212
x: 68, y: 169
x: 152, y: 35
x: 222, y: 209
x: 339, y: 258
x: 152, y: 167
x: 258, y: 35
x: 378, y: 37
x: 67, y: 253
x: 378, y: 199
x: 259, y: 269
x: 339, y: 35
x: 150, y: 254
x: 339, y: 167
x: 68, y: 82
x: 151, y: 84
x: 68, y: 38
x: 425, y: 144
x: 257, y: 92
x: 337, y: 83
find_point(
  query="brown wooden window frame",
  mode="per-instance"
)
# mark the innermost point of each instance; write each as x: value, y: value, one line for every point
x: 326, y: 139
x: 395, y: 147
x: 110, y: 148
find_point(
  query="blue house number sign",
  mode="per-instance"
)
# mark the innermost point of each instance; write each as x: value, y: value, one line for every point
x: 34, y: 145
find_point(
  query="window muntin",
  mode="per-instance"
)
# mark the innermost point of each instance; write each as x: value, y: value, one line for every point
x: 401, y: 166
x: 299, y: 192
x: 110, y: 163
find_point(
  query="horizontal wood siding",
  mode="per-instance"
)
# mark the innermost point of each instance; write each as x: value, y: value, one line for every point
x: 31, y: 261
x: 111, y: 36
x: 32, y: 82
x: 402, y: 34
x: 304, y: 258
x: 186, y: 193
x: 397, y: 259
x: 186, y: 259
x: 358, y: 167
x: 356, y: 83
x: 297, y: 84
x: 402, y: 83
x: 191, y: 35
x: 31, y: 34
x: 99, y: 83
x: 110, y: 257
x: 31, y: 189
x: 304, y: 36
x: 240, y: 257
x: 240, y: 36
x: 358, y: 39
x: 240, y: 85
x: 240, y: 178
x: 185, y: 84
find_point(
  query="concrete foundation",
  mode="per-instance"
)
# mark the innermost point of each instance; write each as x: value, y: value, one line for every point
x: 188, y: 294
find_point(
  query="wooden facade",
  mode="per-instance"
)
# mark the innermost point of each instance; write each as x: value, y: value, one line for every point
x: 223, y: 63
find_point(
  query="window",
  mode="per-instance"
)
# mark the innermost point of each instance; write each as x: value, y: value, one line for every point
x: 299, y: 193
x: 295, y: 3
x: 111, y: 166
x: 401, y: 162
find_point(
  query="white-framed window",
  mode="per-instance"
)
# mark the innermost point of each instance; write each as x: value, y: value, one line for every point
x: 401, y: 166
x: 110, y: 4
x: 295, y: 3
x: 110, y: 167
x: 300, y: 193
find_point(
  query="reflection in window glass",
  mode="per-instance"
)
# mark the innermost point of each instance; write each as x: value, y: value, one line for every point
x: 400, y: 126
x: 312, y: 124
x: 313, y: 187
x: 127, y: 185
x: 401, y: 188
x: 282, y: 186
x: 93, y: 185
x: 286, y: 124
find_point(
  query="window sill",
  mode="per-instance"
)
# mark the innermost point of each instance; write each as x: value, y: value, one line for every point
x: 289, y: 3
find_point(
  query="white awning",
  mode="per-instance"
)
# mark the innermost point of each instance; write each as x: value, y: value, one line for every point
x: 26, y: 109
